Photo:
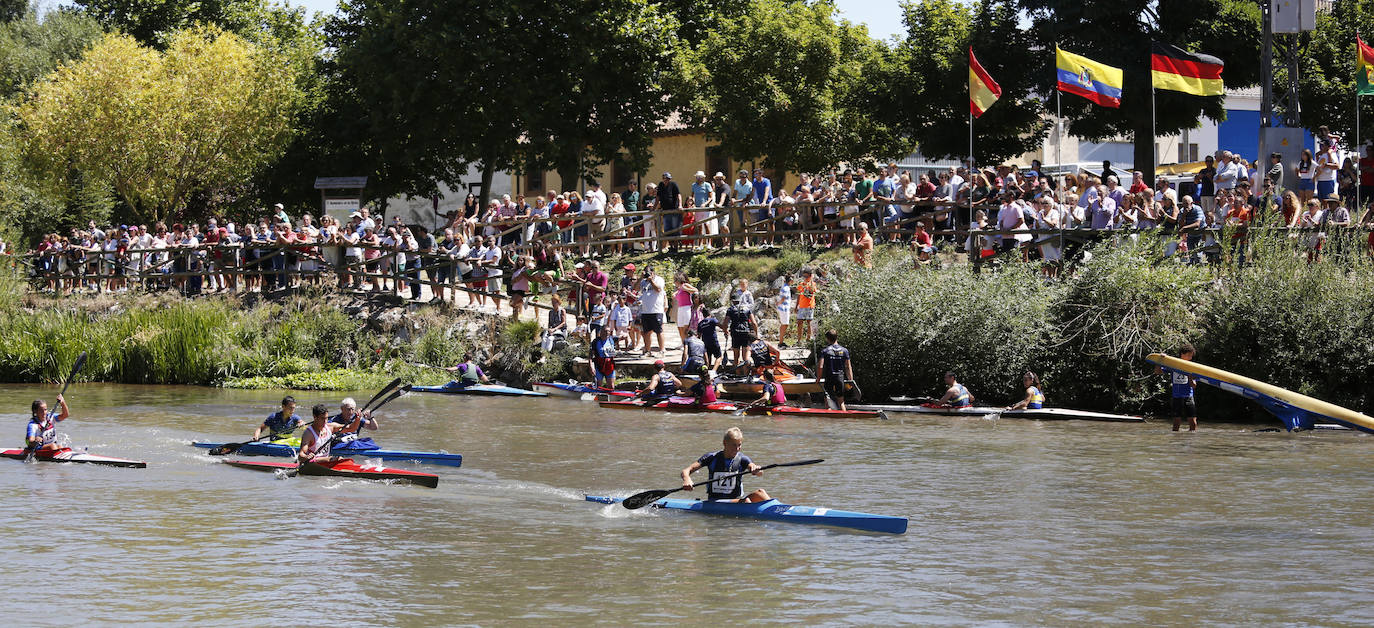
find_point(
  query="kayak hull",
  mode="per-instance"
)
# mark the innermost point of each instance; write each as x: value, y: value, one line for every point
x: 287, y: 451
x: 342, y: 468
x: 485, y: 390
x: 1043, y: 414
x: 730, y: 407
x: 67, y: 455
x: 774, y: 510
x: 753, y: 386
x: 575, y: 391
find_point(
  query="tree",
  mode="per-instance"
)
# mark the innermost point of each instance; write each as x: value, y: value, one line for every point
x: 1327, y: 81
x: 1119, y: 36
x: 11, y: 10
x: 158, y: 127
x: 788, y: 83
x: 31, y: 47
x: 153, y: 22
x: 931, y: 81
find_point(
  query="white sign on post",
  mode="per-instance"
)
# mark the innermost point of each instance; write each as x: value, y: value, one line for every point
x: 341, y: 207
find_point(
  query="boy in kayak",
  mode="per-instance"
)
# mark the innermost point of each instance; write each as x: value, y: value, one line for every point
x: 281, y: 422
x: 1181, y: 387
x: 317, y: 439
x: 772, y: 392
x: 956, y: 396
x: 1035, y: 398
x: 726, y: 461
x: 469, y: 374
x: 350, y: 421
x: 704, y: 391
x: 661, y: 386
x: 41, y: 434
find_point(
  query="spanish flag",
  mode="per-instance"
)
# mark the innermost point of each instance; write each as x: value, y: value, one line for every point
x: 1177, y: 69
x: 982, y: 90
x: 1364, y: 68
x: 1098, y: 82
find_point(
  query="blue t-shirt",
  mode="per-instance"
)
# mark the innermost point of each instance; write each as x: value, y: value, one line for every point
x: 706, y: 330
x: 836, y: 358
x: 717, y: 464
x: 1180, y: 388
x: 883, y: 187
x: 278, y: 424
x: 763, y: 192
x: 603, y: 347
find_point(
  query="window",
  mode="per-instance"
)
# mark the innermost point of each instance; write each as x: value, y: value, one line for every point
x: 1187, y: 153
x: 621, y: 174
x: 534, y: 181
x: 716, y: 161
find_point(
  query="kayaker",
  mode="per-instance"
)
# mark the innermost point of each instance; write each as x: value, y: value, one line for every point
x: 603, y: 358
x: 662, y: 385
x: 317, y: 439
x: 836, y: 369
x: 764, y: 357
x: 1035, y: 399
x: 693, y: 353
x: 350, y: 421
x: 469, y: 374
x: 41, y: 434
x: 705, y: 389
x: 742, y: 326
x: 773, y: 394
x: 956, y: 396
x: 1181, y: 387
x: 724, y: 462
x: 281, y: 422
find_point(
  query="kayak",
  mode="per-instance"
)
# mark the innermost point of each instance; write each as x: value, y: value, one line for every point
x: 287, y: 451
x: 343, y: 468
x: 753, y: 386
x: 575, y: 391
x: 67, y: 455
x: 774, y: 510
x: 1043, y: 414
x: 688, y: 404
x: 494, y: 390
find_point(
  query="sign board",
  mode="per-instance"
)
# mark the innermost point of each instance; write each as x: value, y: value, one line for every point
x: 1293, y: 16
x: 340, y: 183
x: 341, y: 206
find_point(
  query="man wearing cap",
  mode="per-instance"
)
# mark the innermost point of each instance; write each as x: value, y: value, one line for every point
x: 669, y: 204
x: 720, y: 199
x: 594, y: 211
x: 661, y: 386
x: 743, y: 192
x: 652, y: 299
x: 1275, y: 173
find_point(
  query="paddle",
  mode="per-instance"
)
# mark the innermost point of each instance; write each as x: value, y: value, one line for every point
x: 30, y: 451
x: 338, y: 438
x: 640, y: 500
x: 745, y: 408
x: 229, y: 448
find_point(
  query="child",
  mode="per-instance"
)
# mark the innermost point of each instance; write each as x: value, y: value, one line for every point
x: 620, y: 320
x: 724, y: 462
x: 1181, y: 391
x: 708, y: 330
x: 597, y: 321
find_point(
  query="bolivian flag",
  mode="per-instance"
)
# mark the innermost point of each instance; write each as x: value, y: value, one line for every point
x: 982, y: 90
x: 1177, y: 69
x: 1098, y: 82
x: 1364, y: 68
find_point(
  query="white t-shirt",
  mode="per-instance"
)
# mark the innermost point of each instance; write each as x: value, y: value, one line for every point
x: 595, y: 202
x: 493, y: 255
x: 651, y: 298
x: 1325, y: 173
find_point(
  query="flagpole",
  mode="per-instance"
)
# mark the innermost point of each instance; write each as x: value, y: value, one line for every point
x: 1154, y: 148
x: 971, y: 166
x: 1059, y: 134
x: 1358, y: 152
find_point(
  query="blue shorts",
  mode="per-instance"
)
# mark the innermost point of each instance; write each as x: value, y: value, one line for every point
x: 1325, y: 188
x: 1307, y: 184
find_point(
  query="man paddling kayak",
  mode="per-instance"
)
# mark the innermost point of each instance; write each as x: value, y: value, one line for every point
x: 350, y: 421
x: 661, y: 386
x: 318, y: 438
x: 724, y: 462
x: 41, y: 434
x: 281, y: 422
x: 956, y: 396
x: 469, y: 374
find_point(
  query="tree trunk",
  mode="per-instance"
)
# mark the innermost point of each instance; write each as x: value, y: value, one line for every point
x: 570, y: 168
x: 1144, y: 151
x: 488, y: 173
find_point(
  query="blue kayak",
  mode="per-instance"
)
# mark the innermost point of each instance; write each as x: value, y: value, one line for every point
x: 287, y: 451
x: 774, y: 510
x: 494, y: 390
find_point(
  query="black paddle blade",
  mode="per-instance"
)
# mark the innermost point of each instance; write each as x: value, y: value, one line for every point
x: 76, y: 366
x: 381, y: 393
x: 394, y: 396
x: 640, y: 500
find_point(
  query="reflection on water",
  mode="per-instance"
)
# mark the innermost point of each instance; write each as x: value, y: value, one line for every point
x: 1011, y: 522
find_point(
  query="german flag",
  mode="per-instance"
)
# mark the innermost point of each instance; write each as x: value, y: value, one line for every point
x: 1177, y: 69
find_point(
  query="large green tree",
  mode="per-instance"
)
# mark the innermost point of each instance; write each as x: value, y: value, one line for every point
x: 1327, y: 80
x: 1118, y: 33
x: 158, y: 127
x: 929, y: 89
x: 789, y: 83
x: 153, y: 22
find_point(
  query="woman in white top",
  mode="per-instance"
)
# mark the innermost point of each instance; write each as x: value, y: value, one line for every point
x: 1306, y: 169
x: 1051, y: 217
x: 615, y: 222
x: 1312, y: 219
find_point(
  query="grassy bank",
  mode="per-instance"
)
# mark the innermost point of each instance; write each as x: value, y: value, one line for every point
x: 1309, y: 328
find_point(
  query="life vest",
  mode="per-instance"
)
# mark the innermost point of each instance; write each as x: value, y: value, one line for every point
x: 1037, y: 399
x: 759, y: 353
x: 962, y: 399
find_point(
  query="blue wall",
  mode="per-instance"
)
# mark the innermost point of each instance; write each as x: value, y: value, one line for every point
x: 1240, y: 133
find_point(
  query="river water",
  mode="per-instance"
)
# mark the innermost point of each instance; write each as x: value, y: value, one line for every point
x: 1012, y: 522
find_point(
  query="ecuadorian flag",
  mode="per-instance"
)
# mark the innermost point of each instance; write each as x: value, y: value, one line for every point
x: 1364, y: 68
x: 1098, y: 82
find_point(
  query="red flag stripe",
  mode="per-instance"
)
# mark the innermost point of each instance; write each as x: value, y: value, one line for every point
x: 1365, y: 51
x: 1184, y: 67
x: 983, y: 75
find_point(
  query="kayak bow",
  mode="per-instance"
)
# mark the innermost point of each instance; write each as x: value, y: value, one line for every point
x: 343, y: 468
x: 774, y: 510
x: 490, y: 390
x: 575, y: 391
x: 284, y: 450
x: 67, y: 455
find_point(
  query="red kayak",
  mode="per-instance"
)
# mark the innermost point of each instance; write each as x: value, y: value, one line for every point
x: 67, y: 455
x: 343, y: 468
x: 688, y: 404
